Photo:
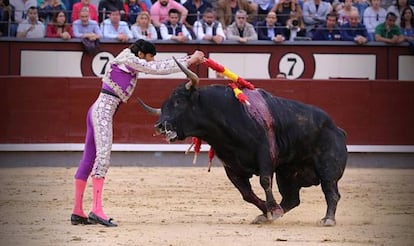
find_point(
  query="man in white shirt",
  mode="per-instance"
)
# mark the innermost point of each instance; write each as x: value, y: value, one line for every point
x: 173, y: 29
x: 209, y: 28
x: 32, y: 27
x: 114, y: 28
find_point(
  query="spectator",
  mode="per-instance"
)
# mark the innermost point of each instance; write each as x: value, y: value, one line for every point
x: 271, y: 29
x: 160, y: 12
x: 133, y: 8
x: 407, y: 23
x: 142, y: 28
x: 397, y: 9
x: 241, y: 30
x: 93, y: 11
x: 283, y: 9
x: 295, y: 27
x: 114, y: 28
x: 209, y: 28
x: 263, y: 7
x: 345, y: 11
x: 361, y: 5
x: 388, y: 32
x: 106, y: 6
x: 32, y: 27
x: 373, y: 16
x: 226, y: 10
x: 354, y: 30
x: 330, y: 31
x: 407, y: 26
x: 8, y: 27
x: 172, y: 29
x: 84, y: 27
x: 21, y: 8
x: 314, y: 14
x: 49, y: 8
x: 58, y: 27
x: 196, y: 9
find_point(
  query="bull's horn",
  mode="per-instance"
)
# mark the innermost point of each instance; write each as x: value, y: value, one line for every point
x: 151, y: 110
x: 190, y: 75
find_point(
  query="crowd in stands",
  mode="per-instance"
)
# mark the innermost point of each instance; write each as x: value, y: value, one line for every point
x: 361, y: 21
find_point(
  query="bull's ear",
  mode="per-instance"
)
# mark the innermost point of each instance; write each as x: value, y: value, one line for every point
x: 194, y: 79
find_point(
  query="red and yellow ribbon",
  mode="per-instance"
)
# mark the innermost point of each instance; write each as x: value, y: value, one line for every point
x: 241, y: 83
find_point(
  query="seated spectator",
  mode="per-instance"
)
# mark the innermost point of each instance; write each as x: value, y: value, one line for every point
x: 314, y: 14
x: 373, y: 16
x: 388, y: 32
x: 172, y: 29
x: 8, y: 27
x: 106, y: 6
x: 345, y: 11
x: 330, y: 31
x: 142, y: 28
x: 209, y: 28
x: 295, y: 27
x: 226, y: 10
x: 31, y: 27
x: 93, y: 11
x: 407, y: 26
x: 22, y: 8
x: 58, y: 27
x: 361, y: 5
x: 407, y: 23
x: 397, y: 9
x: 196, y: 9
x: 354, y: 30
x: 283, y: 9
x: 49, y: 8
x: 241, y: 30
x: 84, y: 27
x: 114, y: 28
x: 270, y: 29
x: 87, y: 30
x: 160, y: 11
x: 132, y: 9
x: 262, y: 8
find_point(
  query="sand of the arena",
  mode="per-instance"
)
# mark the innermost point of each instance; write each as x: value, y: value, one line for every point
x: 189, y: 206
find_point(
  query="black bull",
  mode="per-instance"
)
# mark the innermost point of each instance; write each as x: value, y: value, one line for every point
x: 300, y: 143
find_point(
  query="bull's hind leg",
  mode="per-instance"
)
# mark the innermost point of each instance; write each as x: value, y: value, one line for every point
x: 289, y: 189
x: 332, y: 196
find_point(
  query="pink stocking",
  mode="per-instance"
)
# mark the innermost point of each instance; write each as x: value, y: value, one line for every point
x: 79, y: 190
x: 97, y: 209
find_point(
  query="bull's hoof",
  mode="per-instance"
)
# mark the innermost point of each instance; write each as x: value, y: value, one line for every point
x: 267, y: 219
x: 327, y: 222
x: 261, y: 219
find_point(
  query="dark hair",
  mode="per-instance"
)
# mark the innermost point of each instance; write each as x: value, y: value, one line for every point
x: 402, y: 22
x: 143, y: 46
x: 390, y: 14
x: 174, y: 11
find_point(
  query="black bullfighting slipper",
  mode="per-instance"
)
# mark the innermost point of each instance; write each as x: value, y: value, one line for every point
x: 79, y: 220
x: 95, y: 219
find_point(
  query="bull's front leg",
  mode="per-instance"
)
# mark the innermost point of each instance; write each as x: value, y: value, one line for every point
x: 245, y: 189
x: 273, y: 210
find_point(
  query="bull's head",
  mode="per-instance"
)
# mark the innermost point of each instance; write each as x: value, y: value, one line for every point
x: 171, y: 122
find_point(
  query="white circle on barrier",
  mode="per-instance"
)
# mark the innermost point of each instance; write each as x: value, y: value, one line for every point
x: 100, y: 63
x: 292, y: 65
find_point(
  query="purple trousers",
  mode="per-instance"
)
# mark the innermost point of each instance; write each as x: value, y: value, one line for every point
x: 98, y: 140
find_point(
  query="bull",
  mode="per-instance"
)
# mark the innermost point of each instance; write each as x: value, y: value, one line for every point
x: 298, y: 143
